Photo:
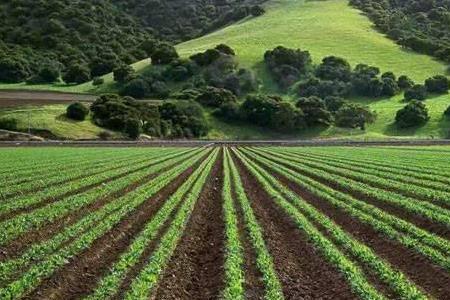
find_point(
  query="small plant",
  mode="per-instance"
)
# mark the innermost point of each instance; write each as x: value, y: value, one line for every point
x: 77, y: 111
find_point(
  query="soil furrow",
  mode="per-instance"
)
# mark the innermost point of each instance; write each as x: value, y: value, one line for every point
x: 195, y: 271
x: 419, y: 221
x: 432, y: 278
x: 303, y: 272
x: 80, y: 276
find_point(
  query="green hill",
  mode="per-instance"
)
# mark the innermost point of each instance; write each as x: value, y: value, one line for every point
x: 324, y: 28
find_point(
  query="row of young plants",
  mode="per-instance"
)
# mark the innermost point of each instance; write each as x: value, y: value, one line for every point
x: 419, y: 175
x: 12, y: 228
x: 264, y: 260
x: 431, y: 191
x: 61, y: 168
x: 234, y: 252
x: 88, y: 183
x: 69, y: 175
x: 423, y: 208
x: 118, y: 210
x: 146, y: 281
x: 110, y: 284
x: 335, y: 244
x: 435, y: 248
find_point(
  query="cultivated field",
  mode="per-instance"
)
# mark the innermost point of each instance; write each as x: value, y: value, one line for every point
x: 225, y: 223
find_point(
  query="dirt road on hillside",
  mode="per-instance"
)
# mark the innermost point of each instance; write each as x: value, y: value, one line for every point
x: 10, y: 98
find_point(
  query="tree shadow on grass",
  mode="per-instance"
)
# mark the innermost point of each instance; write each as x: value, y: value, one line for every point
x: 393, y: 130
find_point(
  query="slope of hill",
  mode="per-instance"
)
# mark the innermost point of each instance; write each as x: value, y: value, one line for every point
x: 324, y: 28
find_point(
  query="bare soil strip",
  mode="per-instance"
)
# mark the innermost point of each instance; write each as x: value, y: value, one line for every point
x: 254, y: 285
x: 16, y: 247
x: 419, y: 221
x: 303, y: 272
x: 81, y: 274
x: 196, y: 270
x: 430, y: 277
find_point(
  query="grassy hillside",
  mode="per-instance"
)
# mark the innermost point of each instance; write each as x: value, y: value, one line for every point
x: 324, y: 28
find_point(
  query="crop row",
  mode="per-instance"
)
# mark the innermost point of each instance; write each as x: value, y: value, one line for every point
x: 114, y: 212
x: 335, y: 244
x: 429, y: 245
x: 426, y: 209
x: 12, y: 228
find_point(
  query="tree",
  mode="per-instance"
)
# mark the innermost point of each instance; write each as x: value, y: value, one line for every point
x: 404, y: 82
x: 206, y: 58
x: 438, y: 84
x: 334, y: 68
x: 225, y: 49
x: 77, y: 74
x: 216, y: 97
x: 413, y: 114
x: 133, y: 128
x: 229, y: 111
x: 12, y: 70
x: 257, y: 10
x: 390, y: 87
x: 77, y: 111
x: 333, y: 104
x: 417, y: 92
x: 164, y: 54
x: 137, y: 88
x: 260, y: 109
x: 160, y: 90
x: 447, y: 112
x: 123, y: 73
x: 315, y: 111
x: 352, y: 115
x: 49, y: 73
x: 288, y: 118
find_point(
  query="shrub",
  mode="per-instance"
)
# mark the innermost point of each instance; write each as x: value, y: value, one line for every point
x: 333, y: 104
x: 160, y: 90
x: 225, y: 49
x: 47, y: 74
x: 164, y: 54
x: 315, y: 111
x: 447, y: 112
x: 12, y: 70
x: 438, y: 84
x: 334, y: 68
x: 77, y: 111
x: 98, y: 81
x: 390, y: 87
x: 257, y: 10
x: 123, y: 73
x: 413, y: 114
x: 133, y: 128
x: 288, y: 118
x: 260, y: 109
x: 206, y: 58
x: 404, y: 82
x: 77, y: 74
x: 137, y: 88
x: 9, y: 124
x: 216, y: 97
x: 417, y: 92
x: 228, y: 111
x: 352, y: 115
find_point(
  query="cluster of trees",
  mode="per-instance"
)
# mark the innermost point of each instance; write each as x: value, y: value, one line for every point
x: 41, y: 39
x: 213, y: 68
x: 422, y: 25
x: 180, y: 119
x: 178, y: 21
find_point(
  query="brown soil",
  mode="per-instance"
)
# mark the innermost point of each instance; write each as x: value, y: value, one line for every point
x: 419, y: 221
x: 80, y: 276
x: 303, y: 272
x: 16, y: 247
x: 20, y: 98
x: 196, y: 268
x: 433, y: 279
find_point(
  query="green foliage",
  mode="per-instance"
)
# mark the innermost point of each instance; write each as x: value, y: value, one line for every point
x: 96, y: 81
x: 413, y: 114
x: 12, y: 70
x: 417, y: 92
x: 137, y: 88
x: 315, y: 111
x: 351, y: 115
x: 438, y: 84
x: 164, y: 54
x: 123, y: 73
x: 8, y: 124
x: 216, y: 97
x: 447, y: 112
x: 133, y: 128
x: 404, y: 82
x: 77, y: 111
x: 76, y: 74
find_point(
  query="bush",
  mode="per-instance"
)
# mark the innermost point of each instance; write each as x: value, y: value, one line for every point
x: 288, y: 118
x: 98, y: 81
x: 216, y: 97
x: 9, y: 124
x: 206, y: 58
x: 225, y: 49
x: 333, y: 104
x: 257, y: 10
x: 417, y: 92
x: 123, y: 73
x: 404, y: 82
x: 137, y: 88
x: 160, y: 90
x: 315, y: 111
x: 229, y: 111
x: 164, y: 54
x: 438, y: 84
x: 12, y: 71
x: 77, y: 111
x: 413, y: 114
x: 447, y: 112
x: 77, y: 74
x: 133, y: 128
x: 47, y: 74
x: 260, y: 109
x: 390, y: 87
x: 352, y: 115
x: 334, y: 68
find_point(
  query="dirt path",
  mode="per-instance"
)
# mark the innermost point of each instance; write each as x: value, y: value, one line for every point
x: 10, y: 98
x: 303, y: 272
x: 196, y: 268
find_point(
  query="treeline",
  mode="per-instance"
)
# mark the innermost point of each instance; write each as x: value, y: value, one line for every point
x: 77, y: 41
x: 178, y: 21
x: 422, y: 25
